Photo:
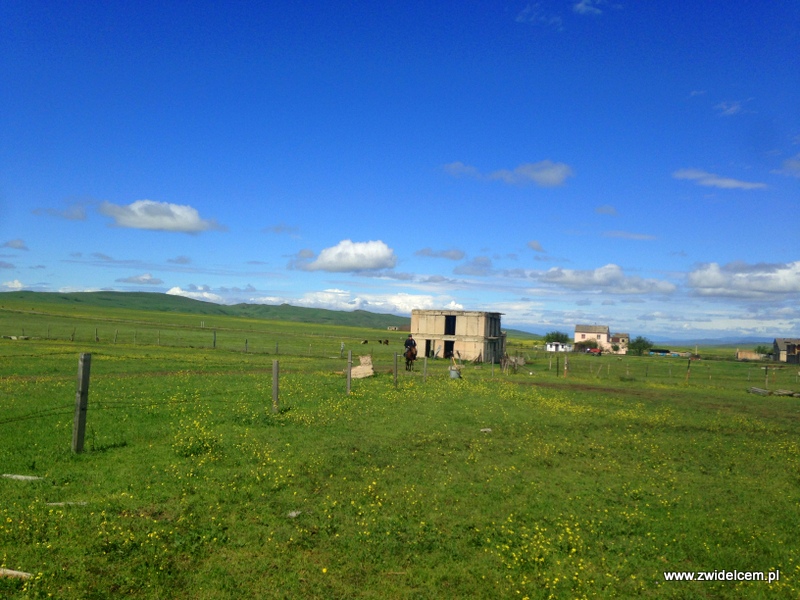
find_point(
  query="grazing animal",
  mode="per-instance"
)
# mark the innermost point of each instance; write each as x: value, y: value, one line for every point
x: 411, y: 356
x: 365, y: 341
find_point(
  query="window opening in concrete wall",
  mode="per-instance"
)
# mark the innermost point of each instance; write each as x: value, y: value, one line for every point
x: 449, y: 325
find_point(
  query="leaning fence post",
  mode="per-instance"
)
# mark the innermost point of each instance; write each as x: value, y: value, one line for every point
x: 275, y: 371
x: 81, y: 402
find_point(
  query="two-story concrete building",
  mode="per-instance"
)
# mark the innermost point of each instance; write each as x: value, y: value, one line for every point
x: 469, y: 335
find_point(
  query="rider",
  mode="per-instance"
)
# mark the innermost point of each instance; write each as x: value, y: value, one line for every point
x: 410, y: 343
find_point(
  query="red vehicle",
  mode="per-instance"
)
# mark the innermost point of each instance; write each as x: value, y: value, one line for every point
x: 595, y: 351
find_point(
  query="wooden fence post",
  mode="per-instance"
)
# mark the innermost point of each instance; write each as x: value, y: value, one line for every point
x: 275, y: 371
x: 395, y: 370
x: 349, y: 369
x: 81, y: 402
x: 425, y: 369
x: 215, y: 340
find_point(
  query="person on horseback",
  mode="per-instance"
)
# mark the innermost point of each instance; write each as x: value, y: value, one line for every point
x: 411, y: 352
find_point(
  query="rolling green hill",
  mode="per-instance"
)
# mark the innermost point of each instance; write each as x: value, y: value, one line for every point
x: 149, y: 301
x: 178, y: 304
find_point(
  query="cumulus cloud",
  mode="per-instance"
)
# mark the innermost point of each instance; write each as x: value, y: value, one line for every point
x: 545, y: 173
x: 146, y: 279
x: 15, y: 245
x: 745, y: 281
x: 347, y: 256
x: 197, y: 295
x: 713, y: 180
x: 609, y: 278
x: 451, y: 254
x: 13, y: 286
x: 158, y: 216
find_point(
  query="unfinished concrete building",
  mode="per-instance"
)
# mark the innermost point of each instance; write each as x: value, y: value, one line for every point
x: 468, y: 335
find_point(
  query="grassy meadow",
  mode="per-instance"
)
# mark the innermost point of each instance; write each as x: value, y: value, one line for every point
x: 528, y: 484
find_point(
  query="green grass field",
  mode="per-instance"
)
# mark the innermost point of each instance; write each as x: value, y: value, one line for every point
x: 497, y: 485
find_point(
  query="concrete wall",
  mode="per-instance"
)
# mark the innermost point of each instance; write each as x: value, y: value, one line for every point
x: 468, y: 335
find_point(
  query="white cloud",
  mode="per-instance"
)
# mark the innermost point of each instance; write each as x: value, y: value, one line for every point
x: 14, y: 285
x: 459, y: 169
x: 627, y: 235
x: 180, y: 260
x: 791, y: 167
x: 588, y: 7
x: 282, y: 229
x: 146, y: 279
x: 451, y: 254
x: 730, y: 108
x: 158, y: 216
x: 480, y: 266
x: 15, y: 245
x: 545, y: 173
x: 535, y: 246
x: 352, y: 256
x: 75, y: 212
x: 200, y: 295
x: 533, y: 13
x: 606, y: 209
x: 337, y: 299
x: 713, y: 180
x: 609, y: 278
x: 746, y: 281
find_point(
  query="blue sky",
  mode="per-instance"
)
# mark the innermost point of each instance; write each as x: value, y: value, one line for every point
x: 622, y: 163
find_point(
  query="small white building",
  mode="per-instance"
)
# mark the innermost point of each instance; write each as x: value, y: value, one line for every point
x: 559, y: 347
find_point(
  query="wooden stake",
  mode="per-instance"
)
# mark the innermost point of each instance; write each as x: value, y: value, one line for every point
x: 275, y: 372
x: 349, y: 369
x: 81, y: 402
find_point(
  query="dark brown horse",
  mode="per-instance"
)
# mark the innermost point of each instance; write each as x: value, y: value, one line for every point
x: 411, y: 356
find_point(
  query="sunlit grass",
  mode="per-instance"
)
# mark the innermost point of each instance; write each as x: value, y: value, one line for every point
x: 505, y: 485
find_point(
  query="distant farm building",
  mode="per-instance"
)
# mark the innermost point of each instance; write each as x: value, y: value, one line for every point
x: 749, y: 355
x: 468, y: 335
x: 559, y: 347
x: 616, y: 343
x: 786, y: 350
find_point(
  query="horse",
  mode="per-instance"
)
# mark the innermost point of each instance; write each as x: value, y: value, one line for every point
x: 411, y: 356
